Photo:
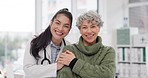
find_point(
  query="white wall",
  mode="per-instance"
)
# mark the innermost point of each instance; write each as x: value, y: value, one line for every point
x: 112, y: 12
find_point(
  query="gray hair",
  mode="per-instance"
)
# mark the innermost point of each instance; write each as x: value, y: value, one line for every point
x: 90, y: 16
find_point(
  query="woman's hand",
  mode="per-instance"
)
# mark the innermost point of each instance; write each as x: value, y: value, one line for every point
x: 59, y: 66
x: 66, y: 57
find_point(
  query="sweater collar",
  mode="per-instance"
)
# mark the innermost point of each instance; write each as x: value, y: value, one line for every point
x: 90, y: 50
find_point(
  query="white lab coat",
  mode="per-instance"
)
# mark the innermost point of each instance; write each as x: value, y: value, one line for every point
x: 33, y: 68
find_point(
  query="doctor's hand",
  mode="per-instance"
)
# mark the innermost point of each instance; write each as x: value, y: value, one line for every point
x: 66, y: 57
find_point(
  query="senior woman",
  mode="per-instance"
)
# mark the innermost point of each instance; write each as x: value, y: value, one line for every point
x: 88, y: 58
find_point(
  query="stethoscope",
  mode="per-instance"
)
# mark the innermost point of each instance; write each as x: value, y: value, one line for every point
x: 45, y: 57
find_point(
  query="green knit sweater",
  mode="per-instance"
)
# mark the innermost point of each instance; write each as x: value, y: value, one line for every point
x: 96, y: 61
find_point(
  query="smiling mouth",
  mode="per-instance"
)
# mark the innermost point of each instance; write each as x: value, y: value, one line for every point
x: 89, y: 36
x: 58, y: 33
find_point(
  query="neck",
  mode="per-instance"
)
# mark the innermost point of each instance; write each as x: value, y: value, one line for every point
x: 88, y: 44
x: 57, y: 42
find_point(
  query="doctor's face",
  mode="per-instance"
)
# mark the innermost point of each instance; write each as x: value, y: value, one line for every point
x: 89, y: 32
x: 60, y: 27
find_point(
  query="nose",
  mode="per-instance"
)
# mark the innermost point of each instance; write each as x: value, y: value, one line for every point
x: 89, y: 30
x: 60, y: 27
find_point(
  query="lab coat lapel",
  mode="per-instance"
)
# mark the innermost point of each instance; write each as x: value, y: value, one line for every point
x: 48, y: 52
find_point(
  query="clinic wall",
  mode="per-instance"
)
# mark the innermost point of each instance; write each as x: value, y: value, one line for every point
x: 112, y: 12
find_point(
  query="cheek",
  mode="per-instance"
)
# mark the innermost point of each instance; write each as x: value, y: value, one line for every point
x: 51, y: 29
x: 81, y: 31
x: 98, y: 30
x: 67, y: 31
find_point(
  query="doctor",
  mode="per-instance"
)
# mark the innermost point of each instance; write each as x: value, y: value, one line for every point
x: 42, y: 51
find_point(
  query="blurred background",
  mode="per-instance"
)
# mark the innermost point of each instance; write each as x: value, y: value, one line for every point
x: 125, y: 29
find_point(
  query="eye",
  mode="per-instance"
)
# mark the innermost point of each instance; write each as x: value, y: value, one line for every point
x: 66, y: 26
x: 93, y: 26
x: 57, y: 23
x: 83, y: 27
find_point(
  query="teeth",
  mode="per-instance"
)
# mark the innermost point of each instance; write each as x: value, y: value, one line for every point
x: 89, y: 36
x: 59, y: 33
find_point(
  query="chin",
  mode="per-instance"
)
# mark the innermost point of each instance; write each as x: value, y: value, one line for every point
x: 92, y: 41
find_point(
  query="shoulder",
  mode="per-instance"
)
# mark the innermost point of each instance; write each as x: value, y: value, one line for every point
x: 67, y: 42
x: 108, y: 49
x: 70, y: 47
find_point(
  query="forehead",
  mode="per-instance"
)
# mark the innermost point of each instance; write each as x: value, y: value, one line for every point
x: 62, y: 18
x: 88, y: 22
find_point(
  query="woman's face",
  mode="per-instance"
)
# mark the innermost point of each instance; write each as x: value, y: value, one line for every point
x: 89, y: 32
x: 60, y: 27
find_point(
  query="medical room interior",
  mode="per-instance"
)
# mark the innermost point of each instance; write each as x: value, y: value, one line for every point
x: 125, y: 28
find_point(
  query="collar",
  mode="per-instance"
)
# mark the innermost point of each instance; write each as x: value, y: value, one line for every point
x: 90, y: 50
x: 57, y: 47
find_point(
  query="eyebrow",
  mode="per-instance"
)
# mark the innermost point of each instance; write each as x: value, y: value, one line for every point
x: 60, y: 22
x: 57, y: 20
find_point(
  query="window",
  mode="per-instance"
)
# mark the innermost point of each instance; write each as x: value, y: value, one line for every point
x: 138, y: 15
x: 50, y: 7
x: 16, y: 28
x: 85, y: 5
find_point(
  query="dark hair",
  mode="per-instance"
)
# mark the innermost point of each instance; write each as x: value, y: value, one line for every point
x: 44, y: 38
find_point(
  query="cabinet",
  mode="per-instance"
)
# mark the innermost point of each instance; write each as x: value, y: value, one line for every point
x: 131, y: 56
x: 131, y: 61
